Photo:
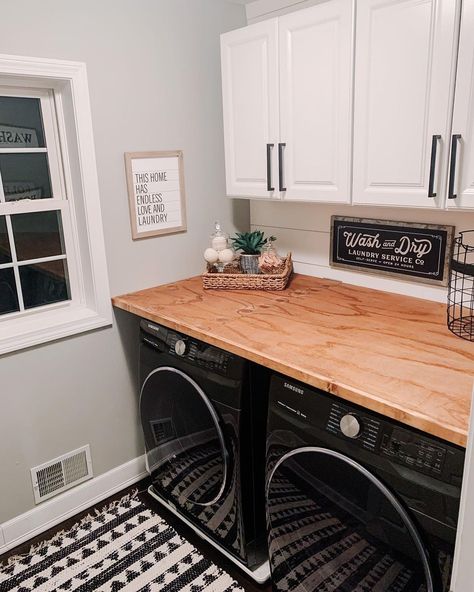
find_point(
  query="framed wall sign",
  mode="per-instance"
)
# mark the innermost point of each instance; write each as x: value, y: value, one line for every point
x: 416, y: 252
x: 156, y: 194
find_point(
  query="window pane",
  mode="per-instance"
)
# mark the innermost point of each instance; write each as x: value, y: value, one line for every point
x: 25, y: 176
x: 8, y: 295
x: 21, y: 124
x: 38, y: 235
x: 5, y: 255
x: 44, y: 283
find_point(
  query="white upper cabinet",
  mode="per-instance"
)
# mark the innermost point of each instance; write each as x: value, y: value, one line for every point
x: 306, y: 121
x: 404, y: 72
x: 461, y: 169
x: 251, y: 115
x: 315, y: 103
x: 287, y: 87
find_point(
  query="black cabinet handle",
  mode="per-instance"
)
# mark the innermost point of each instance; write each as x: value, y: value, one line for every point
x: 269, y: 167
x: 434, y: 146
x: 281, y: 145
x: 452, y: 167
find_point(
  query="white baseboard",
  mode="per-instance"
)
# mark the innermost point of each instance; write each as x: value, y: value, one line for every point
x: 46, y: 515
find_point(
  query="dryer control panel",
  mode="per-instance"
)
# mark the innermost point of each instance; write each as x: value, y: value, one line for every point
x: 202, y: 354
x: 198, y: 353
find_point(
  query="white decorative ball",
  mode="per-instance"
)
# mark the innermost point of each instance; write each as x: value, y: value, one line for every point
x: 226, y: 255
x: 211, y: 255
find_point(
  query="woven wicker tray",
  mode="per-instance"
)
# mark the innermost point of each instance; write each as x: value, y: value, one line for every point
x: 249, y: 281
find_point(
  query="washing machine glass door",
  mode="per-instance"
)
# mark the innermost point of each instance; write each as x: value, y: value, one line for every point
x: 185, y: 446
x: 334, y: 526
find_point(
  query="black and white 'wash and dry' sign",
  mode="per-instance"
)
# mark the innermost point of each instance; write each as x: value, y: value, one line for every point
x: 418, y: 252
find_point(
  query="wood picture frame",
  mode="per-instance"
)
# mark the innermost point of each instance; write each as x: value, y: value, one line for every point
x: 156, y: 193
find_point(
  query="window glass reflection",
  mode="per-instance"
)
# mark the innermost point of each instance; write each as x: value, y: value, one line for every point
x: 21, y: 123
x: 44, y: 283
x: 5, y: 254
x: 8, y: 294
x: 38, y: 235
x: 25, y: 176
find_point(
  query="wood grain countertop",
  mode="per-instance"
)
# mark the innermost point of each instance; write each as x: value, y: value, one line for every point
x: 389, y: 353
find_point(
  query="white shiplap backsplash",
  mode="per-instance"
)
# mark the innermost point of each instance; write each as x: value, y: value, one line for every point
x: 304, y: 229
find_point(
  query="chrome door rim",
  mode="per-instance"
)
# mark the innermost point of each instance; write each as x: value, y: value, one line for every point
x: 214, y: 416
x: 385, y: 491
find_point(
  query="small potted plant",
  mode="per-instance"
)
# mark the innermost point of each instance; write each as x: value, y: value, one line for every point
x: 250, y: 244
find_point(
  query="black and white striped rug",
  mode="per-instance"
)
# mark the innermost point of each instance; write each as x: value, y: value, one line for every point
x: 125, y: 547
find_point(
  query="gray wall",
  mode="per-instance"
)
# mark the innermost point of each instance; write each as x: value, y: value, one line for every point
x: 154, y: 79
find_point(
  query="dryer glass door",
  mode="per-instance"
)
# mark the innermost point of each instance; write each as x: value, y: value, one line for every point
x: 334, y: 526
x: 186, y: 453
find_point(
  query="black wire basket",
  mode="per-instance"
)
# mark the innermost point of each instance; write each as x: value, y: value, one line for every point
x: 461, y: 287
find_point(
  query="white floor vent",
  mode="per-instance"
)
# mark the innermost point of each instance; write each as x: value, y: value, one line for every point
x: 61, y: 473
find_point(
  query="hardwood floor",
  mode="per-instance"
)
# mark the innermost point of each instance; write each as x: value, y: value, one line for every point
x: 205, y: 548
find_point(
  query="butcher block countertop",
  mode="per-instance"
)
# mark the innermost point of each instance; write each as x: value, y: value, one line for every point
x: 389, y: 353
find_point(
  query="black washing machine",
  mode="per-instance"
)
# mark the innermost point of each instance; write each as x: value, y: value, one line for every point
x: 203, y: 413
x: 356, y: 502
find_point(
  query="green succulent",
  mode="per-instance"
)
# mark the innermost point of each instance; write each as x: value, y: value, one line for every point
x: 250, y: 243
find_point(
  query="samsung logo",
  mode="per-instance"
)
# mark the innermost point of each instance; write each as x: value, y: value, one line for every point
x: 293, y: 388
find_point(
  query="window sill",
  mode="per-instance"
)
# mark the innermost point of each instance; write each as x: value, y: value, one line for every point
x: 50, y: 325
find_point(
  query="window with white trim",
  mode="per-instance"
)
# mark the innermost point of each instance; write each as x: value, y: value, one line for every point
x: 53, y: 278
x: 34, y: 269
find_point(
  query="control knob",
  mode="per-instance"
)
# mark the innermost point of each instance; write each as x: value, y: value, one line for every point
x: 180, y: 347
x: 350, y: 426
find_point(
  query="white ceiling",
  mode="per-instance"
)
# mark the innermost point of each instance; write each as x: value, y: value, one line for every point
x: 239, y: 1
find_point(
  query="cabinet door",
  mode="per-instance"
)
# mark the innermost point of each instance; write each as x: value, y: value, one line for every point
x: 405, y: 59
x: 461, y: 180
x: 250, y: 100
x: 315, y: 102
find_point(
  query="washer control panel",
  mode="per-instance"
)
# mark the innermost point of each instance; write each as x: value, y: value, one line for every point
x: 350, y: 426
x: 399, y: 445
x: 413, y: 451
x: 321, y: 419
x: 180, y: 347
x: 363, y: 429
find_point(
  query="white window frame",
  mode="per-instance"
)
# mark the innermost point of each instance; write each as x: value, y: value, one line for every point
x: 58, y: 202
x: 90, y: 305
